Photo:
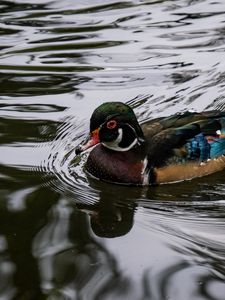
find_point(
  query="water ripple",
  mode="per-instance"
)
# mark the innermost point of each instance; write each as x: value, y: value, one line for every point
x: 58, y: 61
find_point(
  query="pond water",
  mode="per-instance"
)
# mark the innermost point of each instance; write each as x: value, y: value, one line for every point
x: 64, y: 235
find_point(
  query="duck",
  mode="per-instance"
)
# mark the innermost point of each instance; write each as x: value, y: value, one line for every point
x: 162, y: 150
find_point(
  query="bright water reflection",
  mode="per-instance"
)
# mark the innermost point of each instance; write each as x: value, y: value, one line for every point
x: 63, y: 235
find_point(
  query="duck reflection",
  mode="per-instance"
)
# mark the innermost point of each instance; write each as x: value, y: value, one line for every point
x: 113, y: 215
x: 73, y: 263
x: 112, y: 223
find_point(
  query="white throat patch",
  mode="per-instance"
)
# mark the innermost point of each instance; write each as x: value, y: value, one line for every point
x: 114, y: 145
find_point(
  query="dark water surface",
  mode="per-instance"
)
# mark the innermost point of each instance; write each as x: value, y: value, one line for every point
x: 63, y: 235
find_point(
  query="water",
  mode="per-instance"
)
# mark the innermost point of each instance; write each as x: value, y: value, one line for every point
x: 62, y: 234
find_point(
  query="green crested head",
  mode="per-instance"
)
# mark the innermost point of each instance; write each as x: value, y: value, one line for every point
x: 115, y: 126
x: 115, y: 110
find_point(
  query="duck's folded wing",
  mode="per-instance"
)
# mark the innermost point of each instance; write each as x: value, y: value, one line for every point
x: 164, y: 144
x: 200, y: 140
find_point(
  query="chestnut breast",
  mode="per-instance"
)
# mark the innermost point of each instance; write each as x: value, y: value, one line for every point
x: 114, y: 166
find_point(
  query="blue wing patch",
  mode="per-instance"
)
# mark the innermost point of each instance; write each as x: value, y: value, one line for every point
x: 217, y: 147
x: 199, y: 148
x: 203, y: 147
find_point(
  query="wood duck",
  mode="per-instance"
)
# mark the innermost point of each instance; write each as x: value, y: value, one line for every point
x: 162, y: 150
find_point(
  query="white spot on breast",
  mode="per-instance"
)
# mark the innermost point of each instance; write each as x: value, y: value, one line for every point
x: 144, y: 172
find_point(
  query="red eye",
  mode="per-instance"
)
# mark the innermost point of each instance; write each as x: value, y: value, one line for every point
x: 111, y: 124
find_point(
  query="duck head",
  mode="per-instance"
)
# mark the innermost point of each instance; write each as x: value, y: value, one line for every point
x: 115, y: 126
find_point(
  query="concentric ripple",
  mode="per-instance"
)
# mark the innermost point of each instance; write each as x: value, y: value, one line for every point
x: 66, y: 167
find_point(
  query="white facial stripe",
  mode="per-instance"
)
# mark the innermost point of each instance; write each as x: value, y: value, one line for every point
x: 114, y: 145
